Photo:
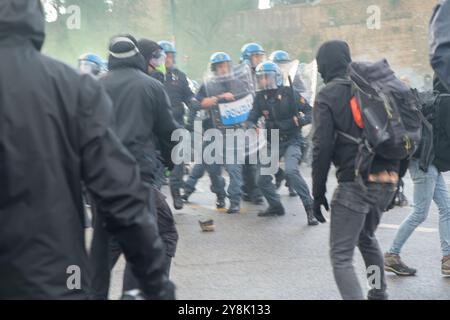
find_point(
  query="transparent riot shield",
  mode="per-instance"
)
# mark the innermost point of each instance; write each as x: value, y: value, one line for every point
x: 233, y: 112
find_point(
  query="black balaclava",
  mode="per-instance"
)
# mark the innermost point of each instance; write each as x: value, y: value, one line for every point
x: 333, y: 59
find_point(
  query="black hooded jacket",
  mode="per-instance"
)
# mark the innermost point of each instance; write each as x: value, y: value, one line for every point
x: 440, y: 42
x: 142, y: 115
x: 54, y: 134
x: 331, y: 114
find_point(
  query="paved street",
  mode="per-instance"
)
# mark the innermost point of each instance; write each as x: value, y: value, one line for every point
x: 282, y: 258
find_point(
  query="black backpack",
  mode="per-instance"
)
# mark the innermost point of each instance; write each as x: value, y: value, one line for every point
x: 441, y: 130
x: 387, y: 111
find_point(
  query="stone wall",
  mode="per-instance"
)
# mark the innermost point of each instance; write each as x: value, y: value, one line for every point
x: 300, y: 29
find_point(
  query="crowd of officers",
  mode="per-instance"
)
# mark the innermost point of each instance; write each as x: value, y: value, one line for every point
x: 66, y: 136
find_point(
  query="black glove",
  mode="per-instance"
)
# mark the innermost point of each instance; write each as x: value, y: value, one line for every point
x: 318, y: 203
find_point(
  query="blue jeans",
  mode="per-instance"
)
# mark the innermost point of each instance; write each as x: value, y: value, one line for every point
x: 292, y: 154
x: 428, y: 186
x: 217, y: 181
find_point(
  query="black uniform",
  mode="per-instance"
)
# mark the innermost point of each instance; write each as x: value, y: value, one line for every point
x: 179, y: 92
x: 54, y: 133
x: 142, y: 120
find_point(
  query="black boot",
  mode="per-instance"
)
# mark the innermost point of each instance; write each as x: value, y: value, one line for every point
x: 186, y: 195
x: 177, y: 199
x: 312, y: 221
x: 234, y: 208
x: 220, y: 203
x: 277, y: 210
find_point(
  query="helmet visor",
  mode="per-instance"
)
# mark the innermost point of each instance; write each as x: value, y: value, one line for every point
x: 266, y: 81
x: 257, y: 58
x: 158, y: 59
x: 88, y: 67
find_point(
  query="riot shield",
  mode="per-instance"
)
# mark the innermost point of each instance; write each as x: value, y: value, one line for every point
x: 231, y: 114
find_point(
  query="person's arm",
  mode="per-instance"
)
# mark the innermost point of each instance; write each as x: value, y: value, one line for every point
x: 164, y: 124
x: 112, y: 177
x: 323, y: 146
x: 306, y: 110
x: 255, y: 114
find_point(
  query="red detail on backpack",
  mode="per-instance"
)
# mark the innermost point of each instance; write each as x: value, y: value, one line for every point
x: 356, y: 111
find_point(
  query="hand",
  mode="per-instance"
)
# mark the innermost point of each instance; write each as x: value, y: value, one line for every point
x: 227, y: 96
x: 209, y: 102
x: 318, y: 203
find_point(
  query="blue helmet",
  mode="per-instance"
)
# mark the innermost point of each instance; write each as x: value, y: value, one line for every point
x: 268, y: 76
x: 219, y: 57
x: 280, y: 56
x: 167, y: 46
x: 91, y: 63
x: 251, y: 49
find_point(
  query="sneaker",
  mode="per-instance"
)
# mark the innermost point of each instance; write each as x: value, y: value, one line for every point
x: 393, y: 263
x: 273, y: 211
x: 446, y: 266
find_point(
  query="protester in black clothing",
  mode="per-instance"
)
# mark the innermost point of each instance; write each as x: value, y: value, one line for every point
x: 143, y: 121
x: 55, y: 134
x: 355, y: 211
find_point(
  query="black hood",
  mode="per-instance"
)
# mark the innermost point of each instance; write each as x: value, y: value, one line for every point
x: 22, y: 19
x: 333, y: 59
x: 148, y: 48
x: 125, y: 54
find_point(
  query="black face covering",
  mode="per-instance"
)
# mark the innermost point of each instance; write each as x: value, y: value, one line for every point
x: 333, y: 59
x: 22, y: 19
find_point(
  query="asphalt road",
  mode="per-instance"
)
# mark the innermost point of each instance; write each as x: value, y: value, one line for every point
x: 248, y: 257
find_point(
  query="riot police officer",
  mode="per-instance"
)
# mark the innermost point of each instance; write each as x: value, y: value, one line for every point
x: 285, y: 110
x: 90, y: 63
x: 252, y: 54
x: 209, y: 96
x: 181, y: 96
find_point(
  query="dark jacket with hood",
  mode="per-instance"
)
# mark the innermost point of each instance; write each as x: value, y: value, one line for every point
x: 54, y: 134
x: 331, y: 114
x: 142, y: 116
x: 440, y: 42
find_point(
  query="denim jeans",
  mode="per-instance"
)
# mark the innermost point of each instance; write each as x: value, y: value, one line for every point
x: 292, y: 154
x: 428, y: 186
x: 217, y: 181
x: 355, y: 216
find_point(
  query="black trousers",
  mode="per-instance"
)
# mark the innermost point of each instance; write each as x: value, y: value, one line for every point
x: 105, y: 252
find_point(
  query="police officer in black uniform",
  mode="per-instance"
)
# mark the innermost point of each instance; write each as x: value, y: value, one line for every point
x: 181, y: 96
x: 285, y: 110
